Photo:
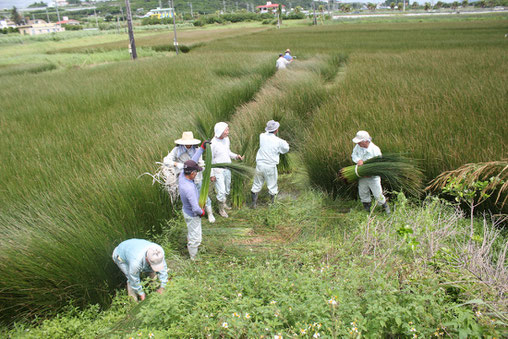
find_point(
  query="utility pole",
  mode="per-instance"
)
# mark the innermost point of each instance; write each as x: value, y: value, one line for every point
x: 191, y: 13
x: 96, y: 21
x: 117, y: 25
x: 57, y: 13
x: 404, y: 5
x: 314, y: 22
x: 175, y: 41
x: 123, y: 19
x: 47, y: 15
x: 224, y: 6
x: 237, y: 6
x: 132, y: 44
x: 160, y: 4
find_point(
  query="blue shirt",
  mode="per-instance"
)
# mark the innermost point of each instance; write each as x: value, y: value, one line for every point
x: 189, y: 192
x: 288, y: 57
x: 132, y: 252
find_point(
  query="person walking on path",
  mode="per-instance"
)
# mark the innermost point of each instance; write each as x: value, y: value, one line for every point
x: 135, y: 256
x: 221, y: 153
x: 267, y: 159
x: 184, y: 150
x: 189, y: 194
x: 281, y: 62
x: 365, y: 150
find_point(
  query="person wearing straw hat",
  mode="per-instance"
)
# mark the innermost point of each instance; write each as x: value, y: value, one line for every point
x: 221, y: 153
x: 192, y: 212
x: 288, y: 56
x: 184, y: 150
x: 136, y: 256
x: 364, y: 150
x: 267, y: 159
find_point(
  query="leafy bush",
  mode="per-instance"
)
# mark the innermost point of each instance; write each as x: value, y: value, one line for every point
x: 171, y: 48
x: 72, y: 27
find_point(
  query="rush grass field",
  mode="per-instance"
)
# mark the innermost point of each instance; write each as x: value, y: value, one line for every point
x: 76, y: 140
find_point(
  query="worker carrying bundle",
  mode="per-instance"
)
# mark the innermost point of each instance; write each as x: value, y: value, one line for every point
x: 364, y: 150
x: 184, y: 150
x: 267, y: 159
x: 189, y: 194
x: 135, y: 256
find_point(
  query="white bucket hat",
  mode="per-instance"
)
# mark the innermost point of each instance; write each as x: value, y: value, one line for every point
x: 272, y: 126
x: 362, y: 136
x: 187, y: 139
x: 219, y: 128
x: 155, y: 257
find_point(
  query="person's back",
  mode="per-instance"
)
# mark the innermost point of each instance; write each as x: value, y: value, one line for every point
x: 281, y: 63
x: 270, y: 147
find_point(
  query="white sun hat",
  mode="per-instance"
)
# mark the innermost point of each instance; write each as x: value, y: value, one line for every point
x: 155, y: 257
x: 219, y: 128
x: 362, y: 136
x: 272, y: 126
x: 187, y: 139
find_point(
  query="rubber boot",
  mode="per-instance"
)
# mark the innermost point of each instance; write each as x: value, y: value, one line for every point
x: 222, y: 210
x: 387, y: 208
x: 272, y: 198
x: 366, y: 206
x: 254, y: 199
x: 211, y: 218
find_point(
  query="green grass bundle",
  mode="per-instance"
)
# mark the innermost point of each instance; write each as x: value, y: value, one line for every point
x: 205, y: 185
x: 400, y: 172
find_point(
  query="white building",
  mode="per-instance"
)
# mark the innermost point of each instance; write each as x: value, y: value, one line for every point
x: 7, y: 24
x: 41, y: 27
x: 160, y: 13
x: 270, y: 8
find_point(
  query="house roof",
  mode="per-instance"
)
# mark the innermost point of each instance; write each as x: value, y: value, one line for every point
x: 269, y: 6
x: 67, y: 21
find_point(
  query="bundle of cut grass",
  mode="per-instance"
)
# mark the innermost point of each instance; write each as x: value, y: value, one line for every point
x: 400, y: 172
x: 205, y: 185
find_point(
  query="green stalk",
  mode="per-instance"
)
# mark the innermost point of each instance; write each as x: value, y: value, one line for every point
x: 205, y: 185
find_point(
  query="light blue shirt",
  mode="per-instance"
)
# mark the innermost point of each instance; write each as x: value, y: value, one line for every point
x: 132, y: 252
x: 360, y: 153
x: 189, y: 192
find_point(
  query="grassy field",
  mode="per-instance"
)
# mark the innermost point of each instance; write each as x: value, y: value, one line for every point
x: 75, y: 142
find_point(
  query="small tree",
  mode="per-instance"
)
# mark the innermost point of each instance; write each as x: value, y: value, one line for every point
x: 465, y: 3
x: 427, y: 6
x: 15, y: 16
x: 400, y: 6
x: 298, y: 9
x: 415, y: 5
x: 438, y: 5
x: 392, y: 5
x: 455, y: 4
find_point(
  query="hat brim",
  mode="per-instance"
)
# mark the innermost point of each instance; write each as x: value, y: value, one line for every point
x: 188, y: 142
x: 357, y: 140
x: 157, y: 267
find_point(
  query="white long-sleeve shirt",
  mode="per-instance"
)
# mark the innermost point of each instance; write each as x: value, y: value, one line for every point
x: 221, y: 153
x: 181, y: 154
x: 360, y: 153
x: 270, y: 147
x: 281, y: 63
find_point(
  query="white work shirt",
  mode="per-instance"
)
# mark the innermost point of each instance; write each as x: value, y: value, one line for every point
x: 360, y: 153
x: 270, y: 146
x: 281, y: 63
x: 221, y: 153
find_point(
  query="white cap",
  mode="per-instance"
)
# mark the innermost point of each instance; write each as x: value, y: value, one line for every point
x: 155, y: 257
x: 219, y: 128
x: 362, y: 136
x: 272, y: 126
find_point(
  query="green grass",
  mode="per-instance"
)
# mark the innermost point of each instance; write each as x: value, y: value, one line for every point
x: 75, y: 141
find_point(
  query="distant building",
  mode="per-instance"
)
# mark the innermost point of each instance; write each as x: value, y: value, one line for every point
x: 40, y: 28
x: 67, y: 21
x: 160, y: 13
x: 7, y: 24
x: 62, y: 2
x: 269, y: 8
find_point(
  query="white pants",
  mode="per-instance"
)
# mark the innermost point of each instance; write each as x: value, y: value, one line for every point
x: 193, y: 234
x: 222, y: 184
x: 372, y: 184
x: 266, y: 174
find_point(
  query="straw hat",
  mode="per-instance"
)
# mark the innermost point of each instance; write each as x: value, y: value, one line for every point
x: 187, y: 139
